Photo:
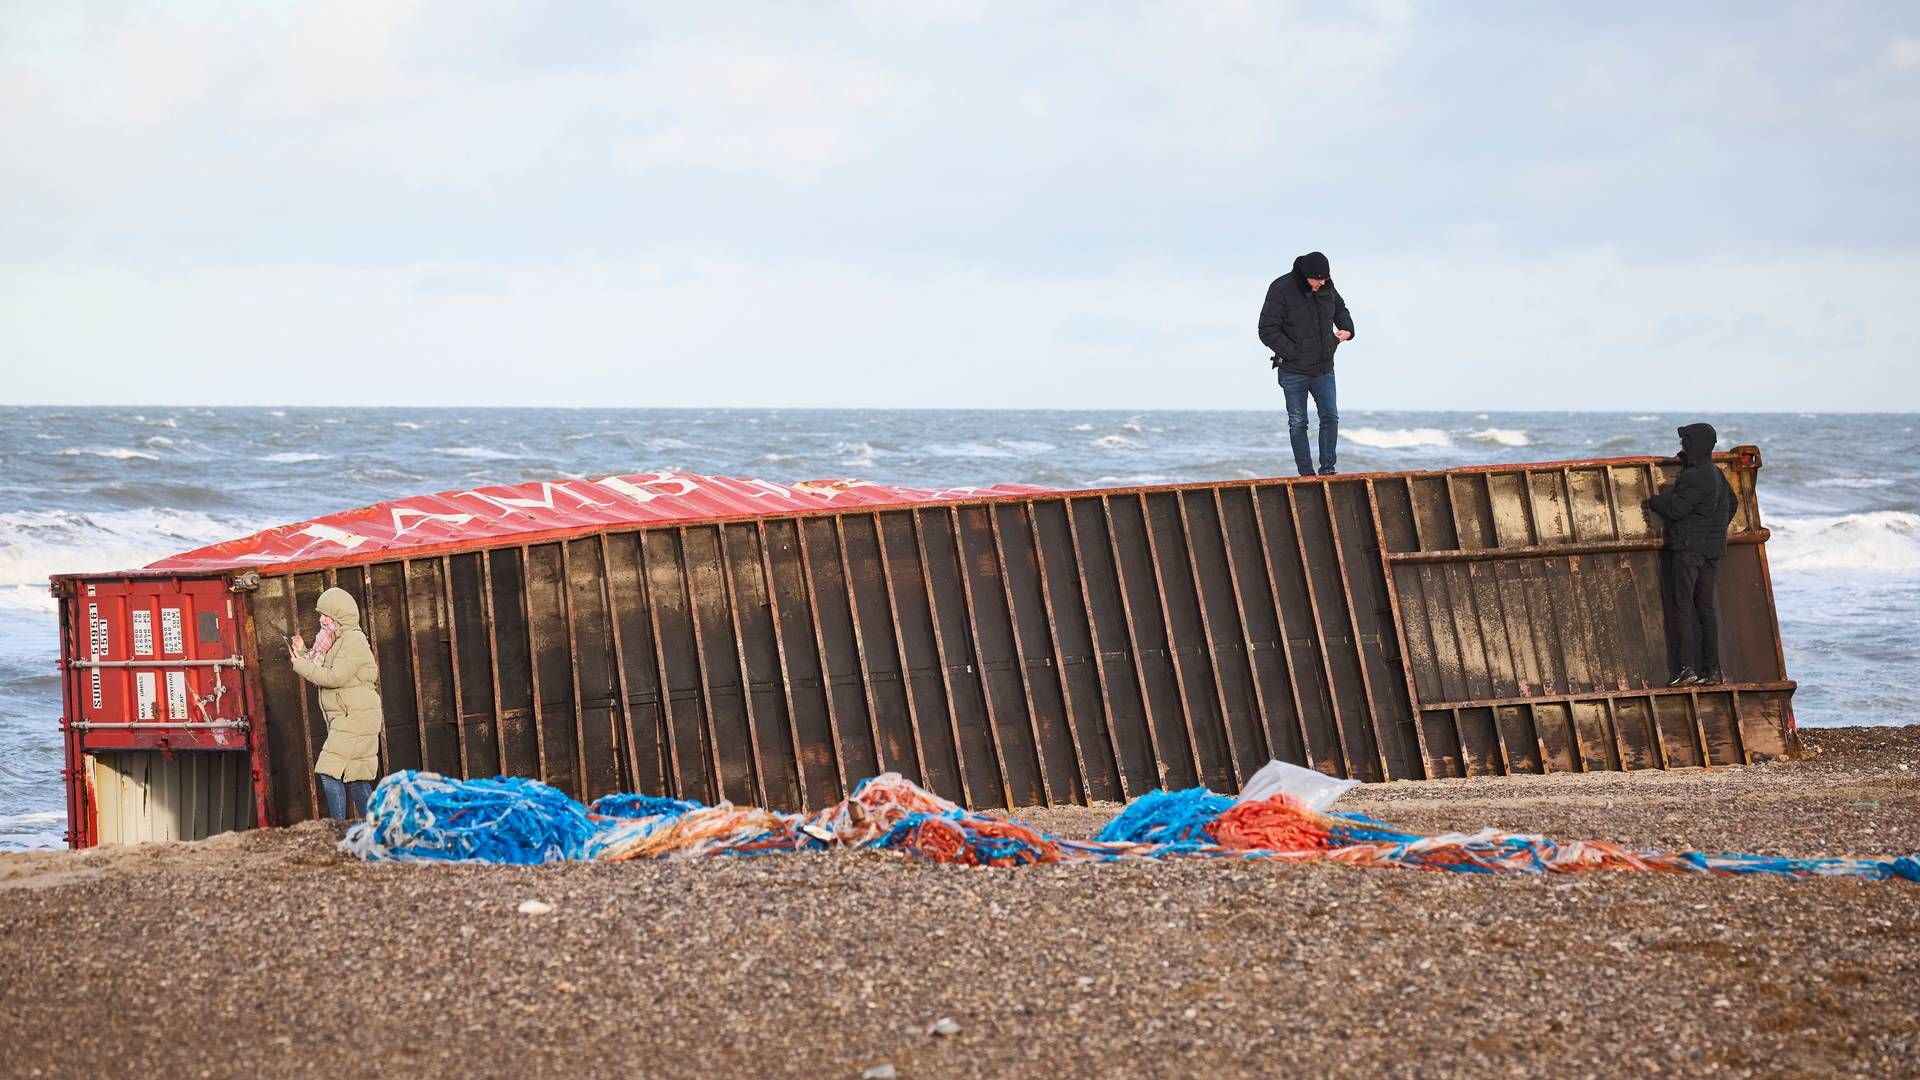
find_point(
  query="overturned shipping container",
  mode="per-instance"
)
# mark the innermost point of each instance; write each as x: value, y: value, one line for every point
x: 713, y: 638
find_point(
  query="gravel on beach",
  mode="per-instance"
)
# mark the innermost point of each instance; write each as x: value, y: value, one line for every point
x: 269, y: 952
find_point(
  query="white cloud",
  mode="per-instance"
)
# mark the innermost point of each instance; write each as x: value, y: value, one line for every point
x: 964, y: 202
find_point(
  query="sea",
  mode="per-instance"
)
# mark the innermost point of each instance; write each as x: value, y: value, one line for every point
x: 100, y: 489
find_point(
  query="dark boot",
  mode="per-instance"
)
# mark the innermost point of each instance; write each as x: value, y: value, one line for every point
x: 1687, y: 677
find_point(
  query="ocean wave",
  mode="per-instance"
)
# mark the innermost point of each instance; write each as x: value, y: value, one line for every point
x: 1645, y: 419
x: 475, y: 453
x: 966, y: 450
x: 998, y: 448
x: 165, y: 421
x: 668, y: 442
x: 1396, y: 439
x: 1500, y: 436
x: 858, y: 453
x: 38, y: 830
x: 378, y: 474
x: 1117, y: 442
x: 1886, y: 541
x: 1137, y: 480
x: 1853, y: 482
x: 1133, y: 425
x: 295, y: 457
x: 34, y: 598
x: 408, y: 425
x: 117, y: 454
x: 35, y: 544
x: 1081, y: 427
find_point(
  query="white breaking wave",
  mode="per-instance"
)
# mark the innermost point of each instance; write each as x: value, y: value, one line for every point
x: 1853, y: 482
x: 666, y: 442
x: 857, y: 453
x: 36, y: 830
x: 1397, y: 439
x: 1501, y: 437
x: 116, y: 454
x: 166, y: 421
x: 1886, y: 541
x: 967, y: 450
x: 35, y: 544
x: 1081, y: 427
x: 1116, y: 442
x: 407, y: 424
x: 475, y: 453
x: 295, y: 457
x: 1140, y: 480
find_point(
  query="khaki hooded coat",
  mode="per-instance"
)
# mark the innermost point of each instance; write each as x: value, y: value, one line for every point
x: 349, y: 696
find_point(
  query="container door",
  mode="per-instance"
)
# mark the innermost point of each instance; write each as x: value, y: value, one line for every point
x: 159, y: 739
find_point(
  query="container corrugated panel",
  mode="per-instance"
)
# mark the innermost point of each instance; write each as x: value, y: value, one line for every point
x: 1010, y: 647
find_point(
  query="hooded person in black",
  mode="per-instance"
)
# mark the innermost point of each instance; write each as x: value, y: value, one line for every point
x: 1697, y: 511
x: 1303, y: 321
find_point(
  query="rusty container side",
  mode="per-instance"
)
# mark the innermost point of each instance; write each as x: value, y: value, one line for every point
x: 1061, y: 647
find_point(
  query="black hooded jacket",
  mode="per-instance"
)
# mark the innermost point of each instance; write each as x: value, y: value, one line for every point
x: 1701, y: 504
x: 1298, y: 323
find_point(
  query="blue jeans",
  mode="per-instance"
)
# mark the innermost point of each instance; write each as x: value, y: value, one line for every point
x: 1296, y: 388
x: 338, y: 791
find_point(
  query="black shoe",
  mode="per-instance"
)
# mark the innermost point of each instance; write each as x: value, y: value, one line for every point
x: 1687, y: 677
x: 1711, y: 677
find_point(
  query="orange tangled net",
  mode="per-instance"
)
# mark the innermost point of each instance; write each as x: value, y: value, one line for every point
x: 1276, y: 824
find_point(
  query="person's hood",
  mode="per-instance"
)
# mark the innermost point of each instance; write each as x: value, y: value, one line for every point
x: 338, y: 605
x: 1312, y: 265
x: 1696, y: 442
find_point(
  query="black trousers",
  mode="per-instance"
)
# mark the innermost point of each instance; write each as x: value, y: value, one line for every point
x: 1693, y: 621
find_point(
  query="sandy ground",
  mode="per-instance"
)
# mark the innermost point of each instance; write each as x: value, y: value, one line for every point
x: 270, y: 952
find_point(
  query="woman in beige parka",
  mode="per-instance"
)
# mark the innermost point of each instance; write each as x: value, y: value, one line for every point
x: 341, y: 664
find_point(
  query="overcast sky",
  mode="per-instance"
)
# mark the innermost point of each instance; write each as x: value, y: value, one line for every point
x: 1526, y: 205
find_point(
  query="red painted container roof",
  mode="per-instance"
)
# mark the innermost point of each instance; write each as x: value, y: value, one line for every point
x: 544, y: 510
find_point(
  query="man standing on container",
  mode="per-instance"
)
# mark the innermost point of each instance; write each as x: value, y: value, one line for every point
x: 1303, y: 321
x: 1697, y: 511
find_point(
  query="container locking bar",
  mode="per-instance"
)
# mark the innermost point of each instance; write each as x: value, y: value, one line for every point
x: 231, y: 661
x: 183, y: 725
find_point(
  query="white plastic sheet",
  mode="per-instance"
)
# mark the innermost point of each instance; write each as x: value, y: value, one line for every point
x: 1315, y: 790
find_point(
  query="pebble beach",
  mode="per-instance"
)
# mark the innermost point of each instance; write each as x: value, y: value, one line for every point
x: 272, y: 952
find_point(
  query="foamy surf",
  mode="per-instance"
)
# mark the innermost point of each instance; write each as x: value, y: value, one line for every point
x: 35, y: 830
x: 111, y: 453
x: 1397, y: 438
x: 36, y: 544
x: 1500, y: 437
x: 1882, y: 541
x: 1857, y: 482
